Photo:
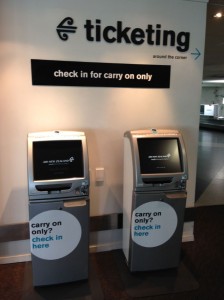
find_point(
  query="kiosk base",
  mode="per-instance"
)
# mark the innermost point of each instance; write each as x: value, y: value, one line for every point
x: 156, y: 230
x: 59, y: 236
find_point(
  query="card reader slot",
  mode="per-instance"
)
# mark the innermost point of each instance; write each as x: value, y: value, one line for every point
x: 53, y: 187
x: 157, y: 180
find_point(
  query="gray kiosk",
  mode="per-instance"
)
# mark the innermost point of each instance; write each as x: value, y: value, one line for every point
x: 154, y: 198
x: 58, y: 176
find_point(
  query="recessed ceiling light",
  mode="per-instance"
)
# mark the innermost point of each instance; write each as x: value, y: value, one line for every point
x: 213, y: 81
x: 218, y: 15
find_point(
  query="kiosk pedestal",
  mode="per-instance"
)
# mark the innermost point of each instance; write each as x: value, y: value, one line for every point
x: 155, y: 173
x: 58, y: 206
x: 156, y: 230
x: 59, y: 241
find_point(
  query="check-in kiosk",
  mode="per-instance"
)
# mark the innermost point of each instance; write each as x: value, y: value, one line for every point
x: 154, y: 198
x: 58, y: 184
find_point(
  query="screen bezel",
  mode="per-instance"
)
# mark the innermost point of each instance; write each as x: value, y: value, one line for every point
x: 71, y: 182
x: 139, y: 178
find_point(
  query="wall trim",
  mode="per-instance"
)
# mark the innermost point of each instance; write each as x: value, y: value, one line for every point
x: 105, y: 235
x: 94, y: 247
x: 20, y: 231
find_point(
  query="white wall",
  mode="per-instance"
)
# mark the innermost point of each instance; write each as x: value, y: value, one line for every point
x: 103, y: 113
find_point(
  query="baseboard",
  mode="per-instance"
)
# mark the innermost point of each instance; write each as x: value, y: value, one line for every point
x: 188, y: 238
x: 100, y: 241
x: 188, y: 232
x: 15, y: 258
x: 105, y: 247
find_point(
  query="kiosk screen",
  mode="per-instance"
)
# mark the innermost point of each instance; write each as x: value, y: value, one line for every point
x: 159, y: 155
x: 57, y: 159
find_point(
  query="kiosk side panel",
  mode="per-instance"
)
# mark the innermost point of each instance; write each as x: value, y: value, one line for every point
x: 127, y: 195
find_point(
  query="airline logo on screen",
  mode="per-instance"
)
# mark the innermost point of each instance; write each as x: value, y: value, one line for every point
x: 160, y: 157
x: 59, y: 161
x: 119, y: 32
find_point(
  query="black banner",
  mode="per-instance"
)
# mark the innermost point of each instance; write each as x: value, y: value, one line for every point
x: 74, y: 73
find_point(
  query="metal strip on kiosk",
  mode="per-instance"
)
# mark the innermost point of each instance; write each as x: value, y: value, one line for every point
x: 58, y: 177
x: 154, y: 198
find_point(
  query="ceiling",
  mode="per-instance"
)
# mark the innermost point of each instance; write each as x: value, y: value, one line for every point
x: 214, y: 42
